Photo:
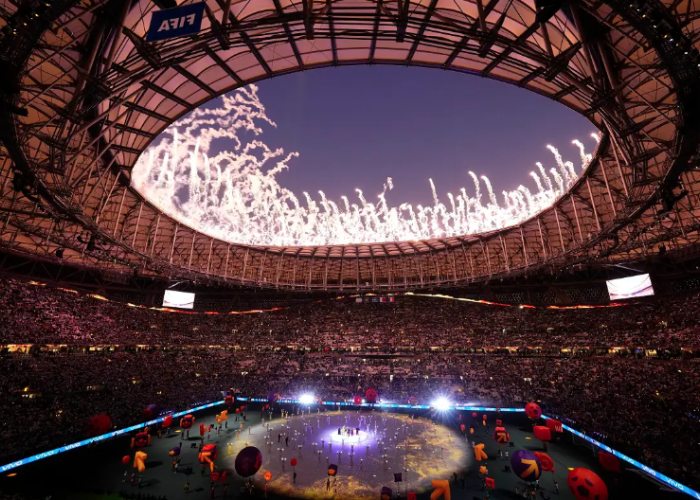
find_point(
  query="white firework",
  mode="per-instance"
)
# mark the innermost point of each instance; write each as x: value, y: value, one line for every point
x: 234, y: 194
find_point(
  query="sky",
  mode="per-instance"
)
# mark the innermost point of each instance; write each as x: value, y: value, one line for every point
x: 356, y: 126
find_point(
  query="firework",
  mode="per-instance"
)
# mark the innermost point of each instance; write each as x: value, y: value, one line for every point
x: 234, y: 194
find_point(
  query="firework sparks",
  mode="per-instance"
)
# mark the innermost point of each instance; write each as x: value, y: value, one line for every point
x: 234, y: 195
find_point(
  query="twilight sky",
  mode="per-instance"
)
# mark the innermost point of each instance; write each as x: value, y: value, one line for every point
x: 355, y: 126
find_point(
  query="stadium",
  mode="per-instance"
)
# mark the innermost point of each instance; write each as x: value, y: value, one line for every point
x: 234, y: 341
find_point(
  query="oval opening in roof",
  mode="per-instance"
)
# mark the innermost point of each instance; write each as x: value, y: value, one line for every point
x: 365, y: 154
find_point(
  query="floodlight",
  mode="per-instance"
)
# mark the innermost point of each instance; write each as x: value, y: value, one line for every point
x: 306, y: 399
x: 442, y: 404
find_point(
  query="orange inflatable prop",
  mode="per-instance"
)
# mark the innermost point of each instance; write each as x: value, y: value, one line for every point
x: 208, y: 455
x: 221, y: 417
x: 140, y: 461
x: 441, y: 487
x: 479, y: 453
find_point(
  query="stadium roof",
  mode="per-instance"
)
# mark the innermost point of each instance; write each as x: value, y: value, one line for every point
x: 84, y: 94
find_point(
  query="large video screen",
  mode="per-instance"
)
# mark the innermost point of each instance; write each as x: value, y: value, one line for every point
x: 631, y: 287
x: 181, y: 300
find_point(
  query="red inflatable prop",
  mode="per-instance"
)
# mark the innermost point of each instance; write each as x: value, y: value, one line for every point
x: 586, y: 485
x: 167, y: 421
x: 554, y: 425
x: 542, y: 433
x: 371, y: 396
x: 357, y: 400
x: 187, y: 421
x: 141, y: 440
x: 545, y: 461
x: 533, y: 411
x: 99, y: 424
x: 126, y: 459
x: 293, y: 462
x: 609, y: 461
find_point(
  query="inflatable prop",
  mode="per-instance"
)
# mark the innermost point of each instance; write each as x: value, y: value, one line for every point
x: 609, y: 461
x: 526, y: 466
x: 140, y: 461
x: 554, y: 425
x: 545, y: 461
x: 479, y: 453
x: 187, y: 421
x: 533, y: 411
x: 99, y: 424
x: 141, y: 440
x: 167, y: 421
x: 248, y: 461
x: 542, y: 433
x: 357, y: 400
x: 371, y: 396
x: 126, y: 459
x: 208, y: 454
x: 586, y: 485
x: 501, y: 436
x: 441, y: 487
x: 151, y: 411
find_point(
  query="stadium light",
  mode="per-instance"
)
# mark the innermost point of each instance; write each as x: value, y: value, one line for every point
x: 307, y: 399
x: 442, y: 404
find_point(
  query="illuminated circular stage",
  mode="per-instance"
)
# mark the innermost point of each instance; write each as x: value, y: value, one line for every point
x: 368, y: 448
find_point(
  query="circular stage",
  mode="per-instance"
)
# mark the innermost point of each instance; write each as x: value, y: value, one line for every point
x: 367, y: 460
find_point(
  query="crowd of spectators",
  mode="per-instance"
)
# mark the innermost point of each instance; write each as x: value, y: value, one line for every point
x: 643, y: 405
x: 39, y: 315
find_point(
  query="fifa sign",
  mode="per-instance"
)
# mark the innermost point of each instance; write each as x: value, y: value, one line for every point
x: 172, y: 23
